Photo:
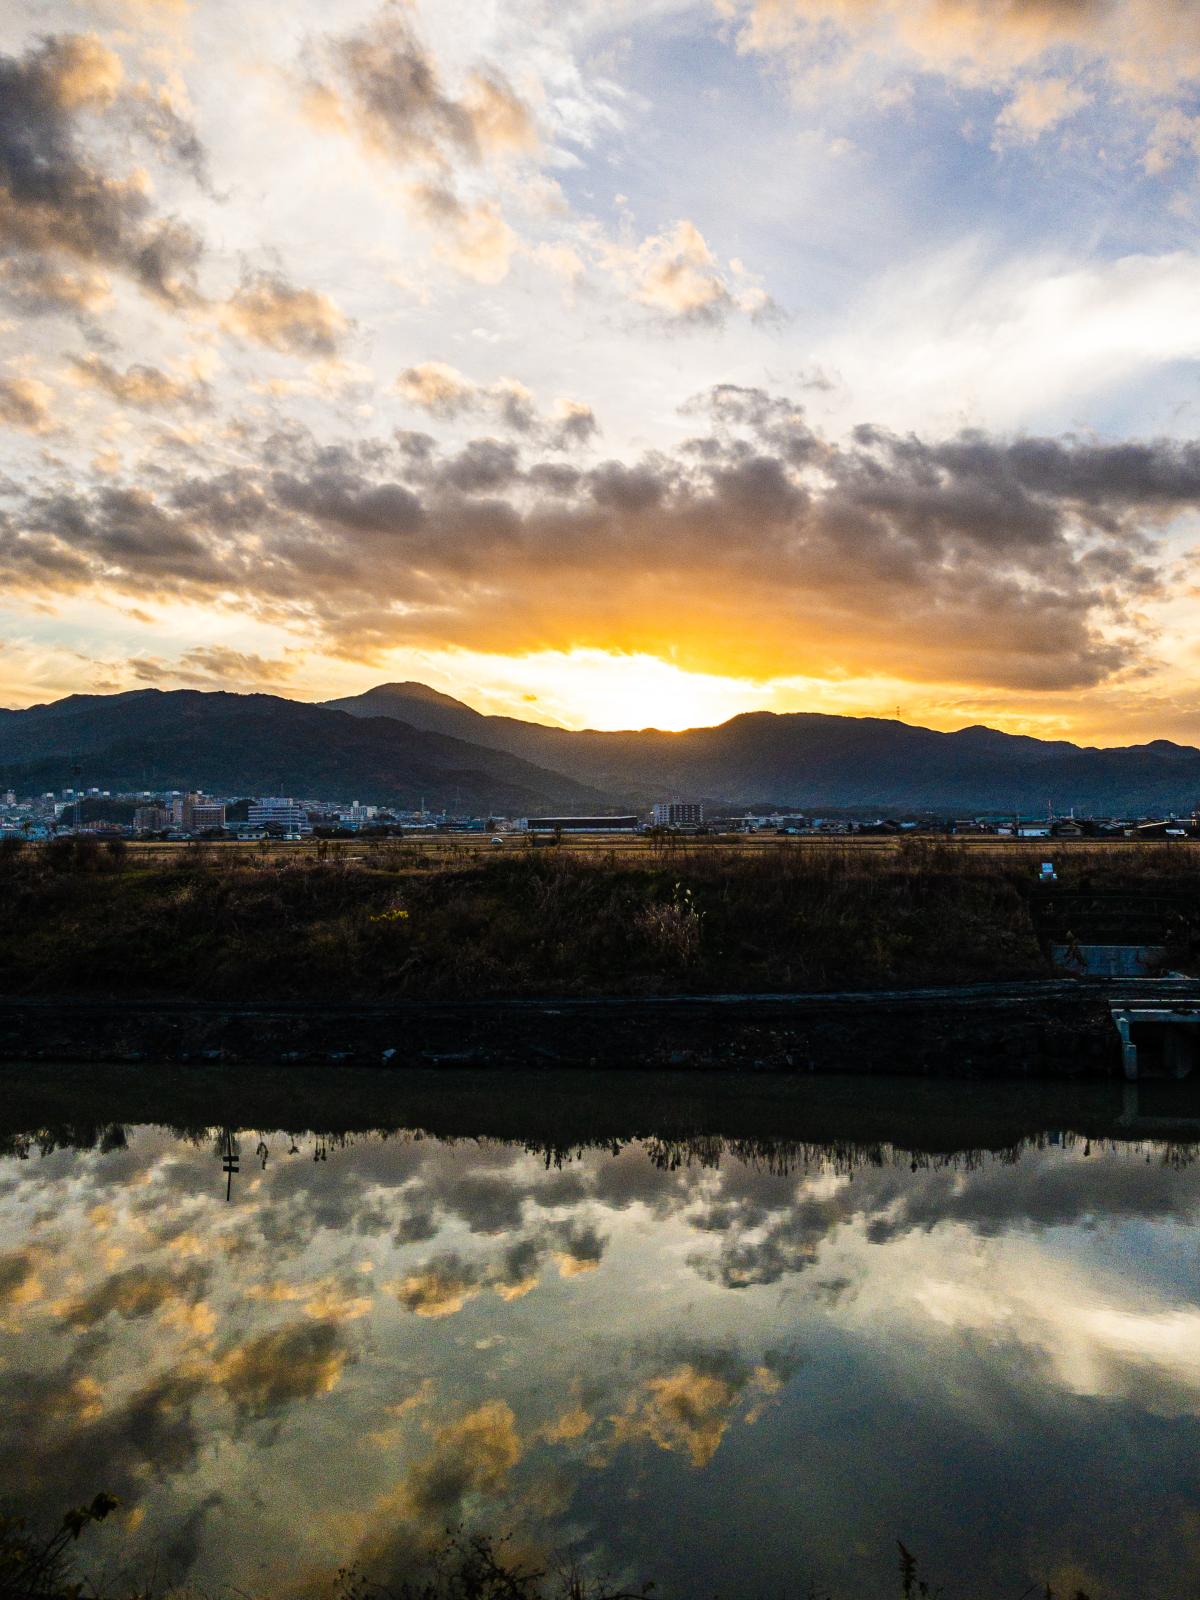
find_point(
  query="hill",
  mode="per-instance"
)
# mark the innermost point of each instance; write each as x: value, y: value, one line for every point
x: 809, y: 760
x: 263, y: 744
x: 402, y: 743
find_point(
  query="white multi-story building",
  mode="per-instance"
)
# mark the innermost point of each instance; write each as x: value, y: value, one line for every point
x: 357, y: 814
x: 678, y: 814
x: 275, y: 811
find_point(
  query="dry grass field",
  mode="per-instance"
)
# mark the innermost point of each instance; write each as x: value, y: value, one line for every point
x: 451, y: 917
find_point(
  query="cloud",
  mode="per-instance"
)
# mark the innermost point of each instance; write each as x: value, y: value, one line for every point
x: 1175, y: 134
x: 20, y: 1283
x: 25, y: 404
x: 560, y: 259
x: 273, y: 1370
x: 440, y: 1289
x: 576, y: 424
x: 1140, y: 41
x: 56, y: 200
x: 578, y: 1248
x: 382, y: 86
x: 439, y: 389
x: 444, y: 392
x: 35, y: 287
x: 1038, y: 105
x: 209, y: 666
x: 1141, y: 51
x: 138, y: 1292
x: 1010, y: 562
x: 146, y: 387
x: 325, y: 1299
x: 494, y: 1205
x: 471, y: 236
x: 690, y: 1408
x: 471, y: 1456
x: 764, y: 1237
x: 676, y: 274
x: 269, y: 309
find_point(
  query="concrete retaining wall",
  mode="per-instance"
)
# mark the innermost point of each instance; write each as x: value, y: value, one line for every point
x: 1047, y: 1030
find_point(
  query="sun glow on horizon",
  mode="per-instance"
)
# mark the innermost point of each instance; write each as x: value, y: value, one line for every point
x: 84, y: 646
x: 590, y: 688
x: 613, y: 691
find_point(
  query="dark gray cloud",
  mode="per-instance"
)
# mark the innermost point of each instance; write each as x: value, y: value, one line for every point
x: 1011, y: 562
x: 55, y: 198
x: 341, y: 499
x: 273, y: 1370
x: 483, y: 466
x: 18, y: 1269
x: 151, y: 1433
x: 137, y: 1292
x: 122, y: 530
x: 576, y: 426
x: 767, y: 1238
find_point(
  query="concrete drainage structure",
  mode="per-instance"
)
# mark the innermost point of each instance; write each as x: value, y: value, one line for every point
x: 1161, y: 1038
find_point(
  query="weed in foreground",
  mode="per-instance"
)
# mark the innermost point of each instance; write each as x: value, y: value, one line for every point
x: 464, y: 1566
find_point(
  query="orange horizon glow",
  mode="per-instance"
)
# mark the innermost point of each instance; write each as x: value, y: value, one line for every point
x: 605, y: 690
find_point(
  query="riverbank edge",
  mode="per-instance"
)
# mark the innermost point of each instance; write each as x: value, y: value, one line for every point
x: 1052, y: 1029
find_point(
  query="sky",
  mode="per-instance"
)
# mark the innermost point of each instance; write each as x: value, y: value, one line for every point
x: 608, y: 364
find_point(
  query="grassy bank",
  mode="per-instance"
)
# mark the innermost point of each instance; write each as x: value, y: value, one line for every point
x: 397, y: 921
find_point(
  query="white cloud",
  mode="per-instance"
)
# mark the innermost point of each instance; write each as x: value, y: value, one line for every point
x: 676, y: 274
x: 953, y: 338
x: 1036, y: 106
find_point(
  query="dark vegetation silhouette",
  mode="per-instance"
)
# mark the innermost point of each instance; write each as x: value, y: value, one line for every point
x: 395, y: 920
x: 41, y: 1566
x: 462, y: 1566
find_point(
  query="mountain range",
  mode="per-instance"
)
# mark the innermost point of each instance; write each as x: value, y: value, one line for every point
x: 810, y: 760
x: 404, y: 743
x: 263, y: 744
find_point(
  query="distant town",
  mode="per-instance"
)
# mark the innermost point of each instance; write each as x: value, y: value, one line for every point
x: 191, y: 815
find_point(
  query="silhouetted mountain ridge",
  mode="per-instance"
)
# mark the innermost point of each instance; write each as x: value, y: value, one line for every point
x: 264, y: 744
x: 812, y: 759
x: 402, y: 743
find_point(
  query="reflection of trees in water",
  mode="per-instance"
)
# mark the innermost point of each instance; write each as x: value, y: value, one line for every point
x: 105, y: 1138
x: 784, y: 1158
x: 778, y: 1157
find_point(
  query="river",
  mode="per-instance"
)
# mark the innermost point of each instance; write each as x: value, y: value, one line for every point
x: 736, y: 1337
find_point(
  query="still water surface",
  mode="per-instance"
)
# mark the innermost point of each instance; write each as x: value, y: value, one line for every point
x: 735, y: 1363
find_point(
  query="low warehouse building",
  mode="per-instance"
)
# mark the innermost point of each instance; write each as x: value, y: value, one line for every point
x: 580, y: 824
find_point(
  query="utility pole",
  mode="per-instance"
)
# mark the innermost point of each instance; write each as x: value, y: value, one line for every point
x: 229, y: 1161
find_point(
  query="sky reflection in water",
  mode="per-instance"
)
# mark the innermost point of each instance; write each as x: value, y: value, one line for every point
x: 683, y: 1363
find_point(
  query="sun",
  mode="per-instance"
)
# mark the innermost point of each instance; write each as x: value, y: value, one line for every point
x: 590, y: 688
